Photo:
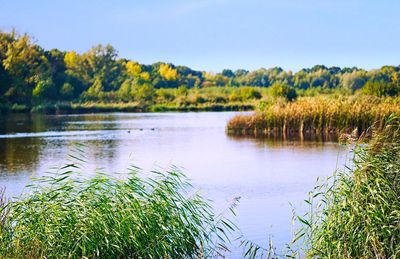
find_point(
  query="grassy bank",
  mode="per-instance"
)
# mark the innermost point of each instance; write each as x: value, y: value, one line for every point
x: 315, y: 116
x: 181, y: 99
x: 356, y: 214
x: 64, y: 215
x: 91, y: 107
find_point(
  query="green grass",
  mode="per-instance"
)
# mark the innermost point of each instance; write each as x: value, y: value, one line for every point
x: 164, y: 99
x: 68, y: 215
x: 99, y: 107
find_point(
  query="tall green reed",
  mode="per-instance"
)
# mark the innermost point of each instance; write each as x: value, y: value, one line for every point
x: 66, y: 214
x: 356, y: 213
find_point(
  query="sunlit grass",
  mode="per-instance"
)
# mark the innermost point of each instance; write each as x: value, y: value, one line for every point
x: 356, y: 214
x: 316, y: 115
x: 68, y: 215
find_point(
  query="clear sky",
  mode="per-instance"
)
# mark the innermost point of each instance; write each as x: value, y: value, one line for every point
x: 215, y: 34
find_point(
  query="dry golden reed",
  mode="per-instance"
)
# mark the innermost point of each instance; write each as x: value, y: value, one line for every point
x: 316, y: 115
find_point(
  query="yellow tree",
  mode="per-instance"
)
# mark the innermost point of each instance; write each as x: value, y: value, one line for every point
x: 133, y: 69
x: 76, y: 67
x: 168, y: 72
x: 26, y: 65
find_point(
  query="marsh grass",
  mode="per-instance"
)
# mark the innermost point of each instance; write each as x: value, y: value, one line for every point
x: 67, y: 215
x: 356, y: 213
x: 323, y: 115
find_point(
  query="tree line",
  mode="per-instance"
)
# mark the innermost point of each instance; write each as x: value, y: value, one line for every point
x: 31, y: 75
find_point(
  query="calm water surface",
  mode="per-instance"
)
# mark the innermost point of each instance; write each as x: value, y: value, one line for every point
x: 266, y: 174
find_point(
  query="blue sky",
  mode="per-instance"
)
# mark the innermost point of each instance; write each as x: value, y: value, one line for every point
x: 215, y: 34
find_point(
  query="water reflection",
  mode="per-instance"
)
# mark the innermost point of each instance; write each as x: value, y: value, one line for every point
x: 298, y: 139
x: 18, y: 154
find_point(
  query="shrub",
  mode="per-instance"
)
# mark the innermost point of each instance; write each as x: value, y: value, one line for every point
x: 380, y: 88
x: 248, y: 93
x: 165, y: 95
x: 283, y: 90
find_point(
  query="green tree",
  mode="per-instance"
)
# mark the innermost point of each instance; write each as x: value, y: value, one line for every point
x: 98, y: 64
x: 248, y: 93
x: 44, y: 91
x: 67, y: 91
x: 26, y: 65
x: 227, y: 73
x: 95, y: 92
x: 124, y: 93
x: 57, y: 72
x: 143, y: 93
x: 5, y: 80
x: 354, y: 80
x: 380, y: 88
x: 283, y: 90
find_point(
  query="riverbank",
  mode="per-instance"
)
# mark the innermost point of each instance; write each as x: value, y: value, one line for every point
x: 95, y: 107
x: 321, y: 115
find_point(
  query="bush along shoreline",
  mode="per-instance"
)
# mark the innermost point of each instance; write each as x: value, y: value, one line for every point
x: 310, y: 116
x: 81, y: 108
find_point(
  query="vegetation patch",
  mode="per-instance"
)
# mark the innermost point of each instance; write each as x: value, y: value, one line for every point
x: 33, y: 79
x: 67, y: 215
x: 356, y: 213
x: 325, y: 115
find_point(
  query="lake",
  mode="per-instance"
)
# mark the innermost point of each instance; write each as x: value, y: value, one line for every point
x: 267, y: 174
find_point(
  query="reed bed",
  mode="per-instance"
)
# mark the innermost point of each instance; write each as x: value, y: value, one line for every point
x: 315, y: 115
x: 356, y: 213
x: 69, y: 216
